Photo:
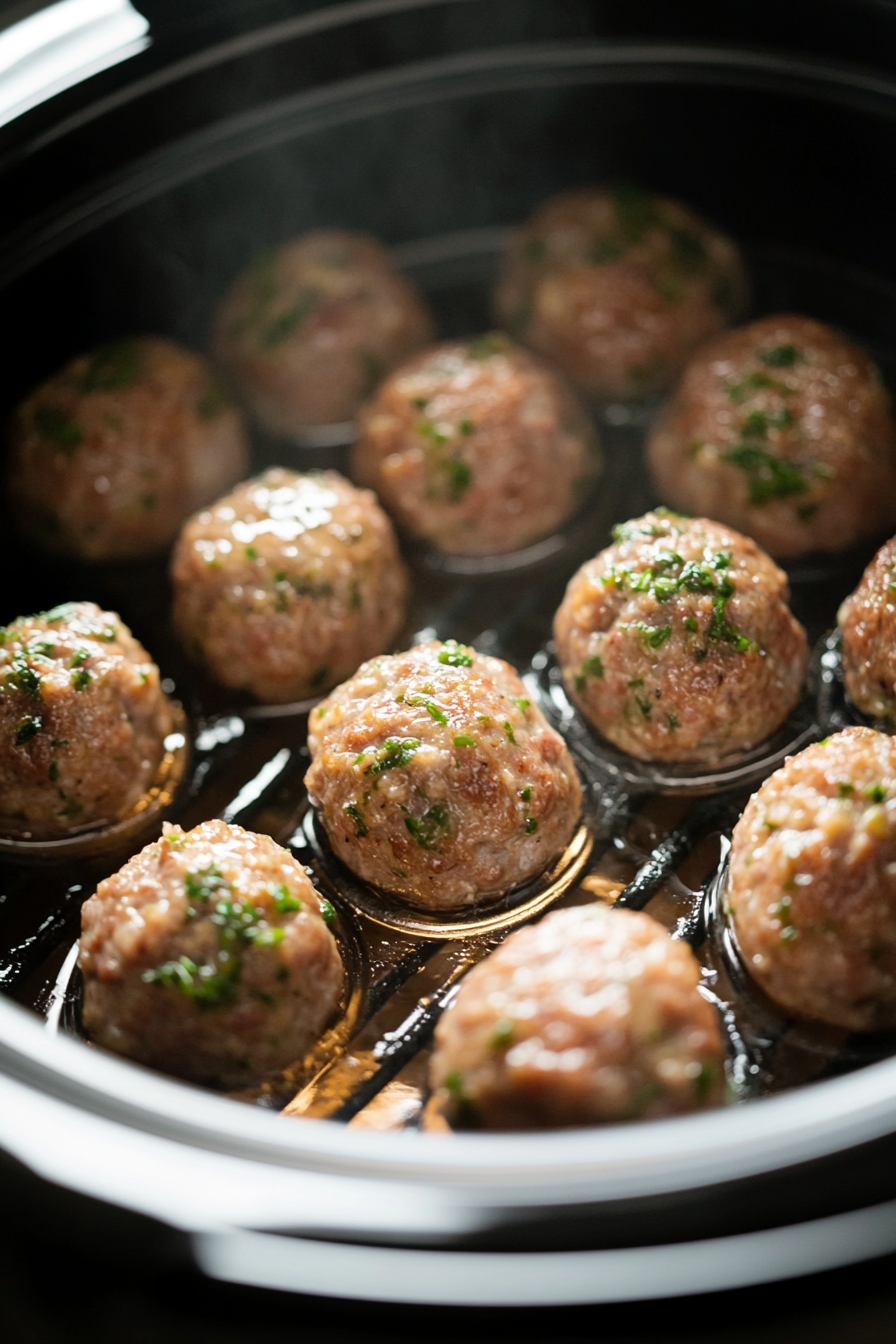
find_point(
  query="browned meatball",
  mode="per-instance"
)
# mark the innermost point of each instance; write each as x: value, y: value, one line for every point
x: 867, y: 621
x: 677, y: 643
x: 783, y: 429
x: 619, y: 287
x: 110, y: 455
x: 812, y: 882
x: 82, y: 721
x: 311, y: 328
x: 285, y: 585
x: 437, y: 779
x: 478, y: 448
x: 208, y: 956
x: 591, y: 1016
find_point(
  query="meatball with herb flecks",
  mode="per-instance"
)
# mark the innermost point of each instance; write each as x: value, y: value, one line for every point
x: 477, y: 448
x: 111, y: 454
x: 591, y: 1016
x: 783, y: 429
x: 308, y: 331
x: 284, y: 586
x: 438, y: 780
x: 619, y: 287
x: 82, y: 721
x: 677, y: 642
x: 867, y: 621
x: 812, y: 882
x: 208, y: 955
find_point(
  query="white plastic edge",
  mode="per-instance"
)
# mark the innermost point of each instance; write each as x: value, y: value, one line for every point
x: 62, y: 45
x: 463, y: 1278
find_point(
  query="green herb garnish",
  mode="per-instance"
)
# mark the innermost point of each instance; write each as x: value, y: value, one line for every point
x: 426, y: 829
x: 351, y: 810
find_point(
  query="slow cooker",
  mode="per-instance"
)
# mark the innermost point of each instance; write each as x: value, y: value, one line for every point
x: 148, y: 151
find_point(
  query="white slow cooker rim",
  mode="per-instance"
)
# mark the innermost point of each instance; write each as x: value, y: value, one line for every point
x: 616, y: 1162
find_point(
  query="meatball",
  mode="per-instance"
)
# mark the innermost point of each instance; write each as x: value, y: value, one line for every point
x: 619, y: 287
x: 478, y: 449
x: 310, y: 329
x: 812, y: 882
x: 867, y: 621
x: 438, y: 780
x: 110, y: 455
x: 284, y: 586
x: 82, y: 721
x: 208, y: 956
x: 783, y: 429
x: 677, y: 642
x: 591, y: 1016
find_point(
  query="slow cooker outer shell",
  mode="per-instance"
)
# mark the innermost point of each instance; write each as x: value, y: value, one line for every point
x: 199, y: 1163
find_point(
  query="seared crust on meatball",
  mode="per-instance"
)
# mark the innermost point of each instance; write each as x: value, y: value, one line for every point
x: 207, y: 956
x: 867, y: 621
x: 677, y: 642
x: 478, y: 449
x: 310, y: 329
x: 438, y: 780
x: 812, y: 882
x: 110, y: 455
x: 591, y: 1016
x: 82, y: 721
x: 285, y: 585
x: 619, y: 287
x: 783, y: 429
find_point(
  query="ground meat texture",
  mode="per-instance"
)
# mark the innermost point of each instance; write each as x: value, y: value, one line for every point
x: 110, y: 455
x: 619, y: 287
x: 286, y: 585
x: 309, y: 330
x: 591, y: 1016
x: 783, y: 429
x: 867, y: 621
x: 812, y: 882
x: 208, y: 956
x: 477, y: 448
x: 677, y: 642
x: 82, y: 721
x: 438, y: 780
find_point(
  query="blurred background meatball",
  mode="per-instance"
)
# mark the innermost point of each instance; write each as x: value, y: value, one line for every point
x: 437, y: 779
x: 812, y: 882
x: 477, y: 448
x: 110, y: 455
x: 783, y: 429
x: 82, y: 721
x: 867, y: 621
x: 677, y: 642
x: 283, y: 587
x: 619, y: 287
x: 208, y: 956
x: 310, y: 329
x: 591, y: 1016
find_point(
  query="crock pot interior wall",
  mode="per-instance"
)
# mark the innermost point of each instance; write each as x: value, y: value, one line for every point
x: 804, y: 170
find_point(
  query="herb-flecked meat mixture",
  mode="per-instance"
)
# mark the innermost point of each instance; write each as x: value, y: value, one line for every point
x: 82, y: 721
x: 867, y: 621
x: 437, y: 779
x: 812, y: 882
x: 619, y: 287
x: 209, y: 955
x: 111, y: 454
x: 311, y: 328
x: 283, y: 587
x: 477, y: 448
x: 677, y: 642
x: 783, y: 429
x: 591, y: 1016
